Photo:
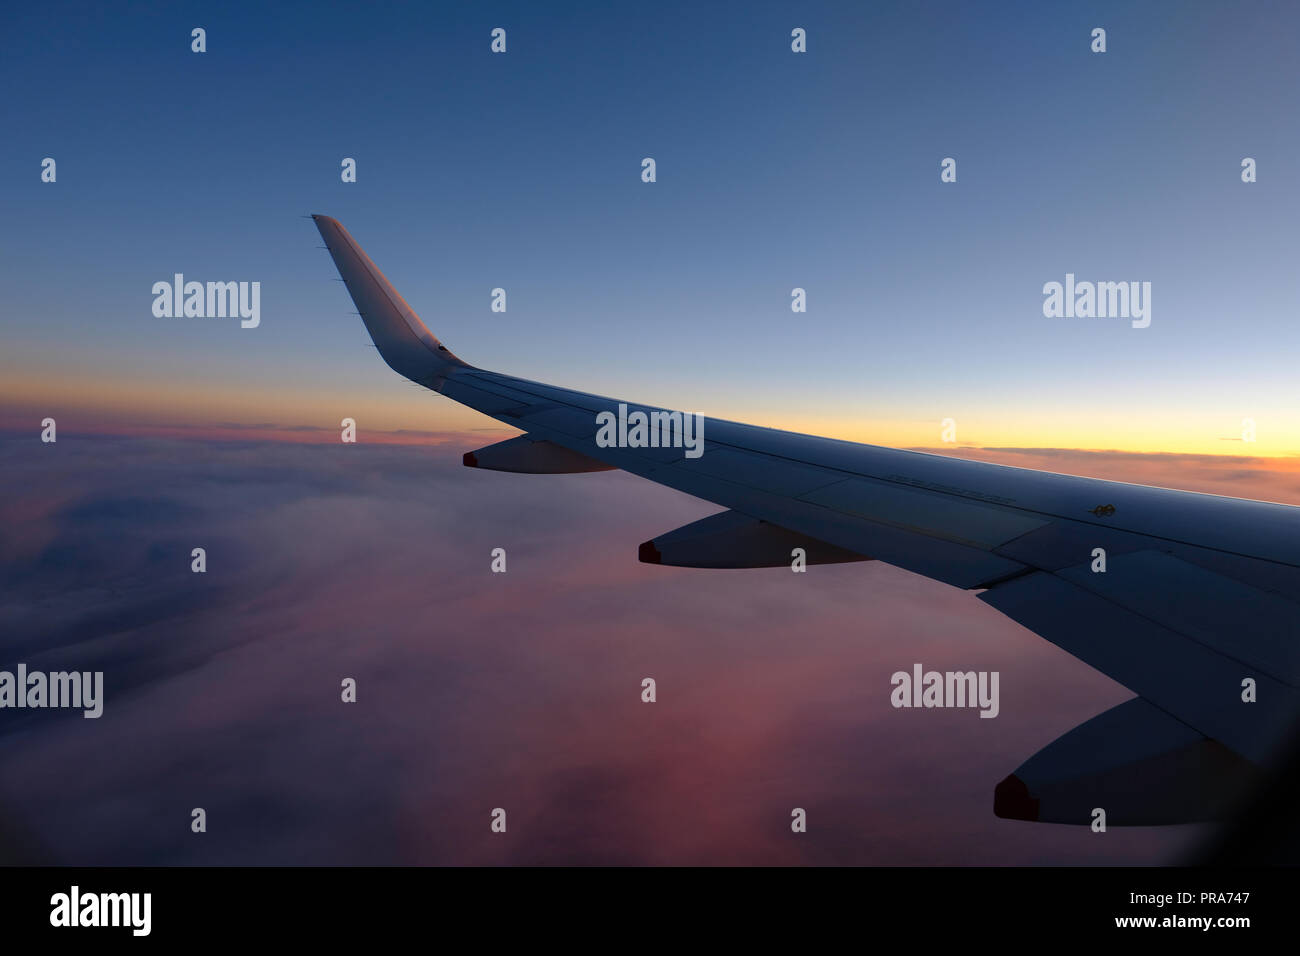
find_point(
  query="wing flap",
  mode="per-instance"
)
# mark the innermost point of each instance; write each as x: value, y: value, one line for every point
x: 1240, y: 622
x: 1197, y: 684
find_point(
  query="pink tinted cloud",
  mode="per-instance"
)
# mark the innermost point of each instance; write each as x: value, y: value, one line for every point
x: 521, y: 690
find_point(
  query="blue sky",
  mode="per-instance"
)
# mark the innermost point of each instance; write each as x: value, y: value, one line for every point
x: 775, y: 170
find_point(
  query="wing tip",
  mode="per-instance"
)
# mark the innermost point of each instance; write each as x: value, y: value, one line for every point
x: 403, y: 340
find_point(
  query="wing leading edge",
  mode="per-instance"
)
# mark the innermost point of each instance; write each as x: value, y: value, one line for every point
x: 1199, y: 596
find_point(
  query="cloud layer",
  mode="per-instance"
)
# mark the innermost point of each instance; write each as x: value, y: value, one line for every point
x: 479, y: 690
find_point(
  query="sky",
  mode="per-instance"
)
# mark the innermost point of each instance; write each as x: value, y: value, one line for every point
x: 775, y: 171
x: 522, y: 170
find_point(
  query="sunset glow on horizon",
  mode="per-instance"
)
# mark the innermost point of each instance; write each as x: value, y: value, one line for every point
x: 395, y: 411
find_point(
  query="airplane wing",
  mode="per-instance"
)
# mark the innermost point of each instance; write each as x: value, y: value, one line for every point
x: 1197, y: 611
